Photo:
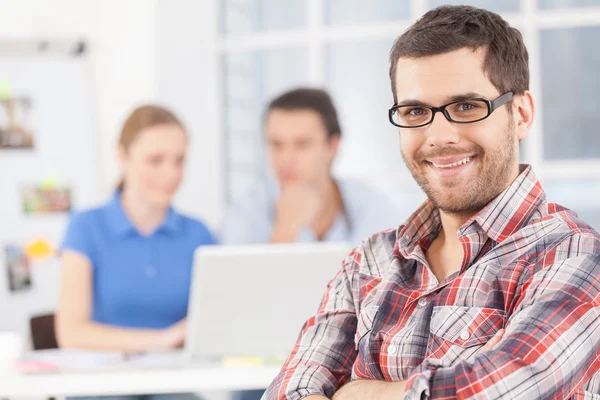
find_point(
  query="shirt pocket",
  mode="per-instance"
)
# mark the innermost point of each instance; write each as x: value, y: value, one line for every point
x: 366, y: 318
x: 457, y: 333
x: 366, y: 364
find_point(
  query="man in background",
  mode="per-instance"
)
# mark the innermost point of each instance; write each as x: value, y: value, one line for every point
x: 306, y: 203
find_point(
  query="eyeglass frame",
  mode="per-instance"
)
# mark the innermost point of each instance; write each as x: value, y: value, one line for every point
x: 492, y: 105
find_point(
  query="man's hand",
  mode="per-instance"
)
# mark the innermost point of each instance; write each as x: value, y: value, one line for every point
x: 375, y: 390
x: 371, y: 390
x: 297, y: 208
x: 493, y: 341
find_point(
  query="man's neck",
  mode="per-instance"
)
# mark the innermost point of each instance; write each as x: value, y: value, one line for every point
x: 451, y: 223
x: 332, y: 205
x: 445, y: 254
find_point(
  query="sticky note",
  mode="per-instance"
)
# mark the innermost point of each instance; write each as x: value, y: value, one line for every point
x: 236, y: 362
x: 39, y: 248
x: 4, y: 89
x: 50, y: 181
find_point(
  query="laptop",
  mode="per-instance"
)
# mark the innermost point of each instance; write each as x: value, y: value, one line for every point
x: 252, y: 301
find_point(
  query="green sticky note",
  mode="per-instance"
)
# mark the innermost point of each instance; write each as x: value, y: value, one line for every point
x: 4, y: 89
x: 50, y: 181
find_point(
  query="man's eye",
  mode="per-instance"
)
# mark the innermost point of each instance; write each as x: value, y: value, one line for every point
x: 465, y: 106
x: 414, y: 111
x: 417, y: 111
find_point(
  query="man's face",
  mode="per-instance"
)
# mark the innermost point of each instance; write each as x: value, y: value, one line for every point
x: 461, y: 167
x: 299, y: 148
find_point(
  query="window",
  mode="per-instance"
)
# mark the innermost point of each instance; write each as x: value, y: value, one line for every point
x: 244, y: 16
x: 570, y: 105
x: 343, y: 45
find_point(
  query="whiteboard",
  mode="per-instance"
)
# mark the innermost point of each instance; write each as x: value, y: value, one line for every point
x: 64, y: 146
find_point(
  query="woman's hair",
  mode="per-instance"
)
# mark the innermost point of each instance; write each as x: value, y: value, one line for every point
x: 143, y: 117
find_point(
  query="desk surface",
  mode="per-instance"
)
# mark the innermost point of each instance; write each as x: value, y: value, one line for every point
x: 135, y: 378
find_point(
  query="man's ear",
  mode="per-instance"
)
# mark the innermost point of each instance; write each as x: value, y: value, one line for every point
x: 334, y: 144
x: 523, y: 113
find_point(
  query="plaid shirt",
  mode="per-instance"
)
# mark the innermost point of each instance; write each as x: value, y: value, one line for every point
x: 529, y: 266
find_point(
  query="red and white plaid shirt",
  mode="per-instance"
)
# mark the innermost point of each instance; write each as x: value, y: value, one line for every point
x: 529, y: 266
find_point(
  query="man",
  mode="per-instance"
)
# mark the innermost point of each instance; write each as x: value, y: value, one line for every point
x: 307, y: 204
x: 488, y: 290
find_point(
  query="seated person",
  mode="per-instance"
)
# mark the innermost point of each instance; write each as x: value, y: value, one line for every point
x: 127, y: 264
x: 306, y: 204
x: 488, y: 290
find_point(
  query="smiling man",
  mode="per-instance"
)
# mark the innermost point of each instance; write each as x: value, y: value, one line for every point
x: 488, y: 290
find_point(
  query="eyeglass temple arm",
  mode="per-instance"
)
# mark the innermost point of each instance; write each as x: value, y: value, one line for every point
x: 505, y: 98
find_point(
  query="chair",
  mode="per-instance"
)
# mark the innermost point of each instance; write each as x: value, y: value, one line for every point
x: 42, y: 332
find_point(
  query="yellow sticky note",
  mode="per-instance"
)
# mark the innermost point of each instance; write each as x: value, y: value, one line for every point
x: 4, y: 89
x: 49, y: 182
x: 236, y: 362
x: 39, y: 249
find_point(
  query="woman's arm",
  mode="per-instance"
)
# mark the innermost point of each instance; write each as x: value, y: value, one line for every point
x: 75, y: 329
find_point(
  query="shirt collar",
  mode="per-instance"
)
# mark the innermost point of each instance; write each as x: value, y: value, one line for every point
x: 511, y: 210
x: 121, y: 225
x: 503, y: 216
x: 172, y: 224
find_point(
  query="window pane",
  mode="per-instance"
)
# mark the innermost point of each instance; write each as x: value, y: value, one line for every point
x: 242, y: 16
x: 357, y: 77
x: 492, y: 5
x: 569, y: 92
x: 552, y: 4
x: 251, y: 79
x: 580, y: 196
x: 360, y: 11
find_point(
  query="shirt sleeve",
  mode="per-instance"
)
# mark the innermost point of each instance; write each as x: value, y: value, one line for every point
x: 78, y: 235
x: 246, y: 222
x: 322, y: 358
x: 376, y: 215
x: 205, y: 236
x: 550, y: 349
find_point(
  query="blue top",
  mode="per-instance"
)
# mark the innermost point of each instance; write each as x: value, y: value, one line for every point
x: 138, y: 281
x: 367, y: 211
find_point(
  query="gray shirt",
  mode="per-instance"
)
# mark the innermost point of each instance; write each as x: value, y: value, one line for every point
x: 367, y: 211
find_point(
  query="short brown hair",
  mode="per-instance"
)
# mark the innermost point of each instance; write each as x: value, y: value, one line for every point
x: 309, y: 99
x: 448, y: 28
x: 143, y: 117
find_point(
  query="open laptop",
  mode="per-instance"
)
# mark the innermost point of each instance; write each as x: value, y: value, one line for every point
x: 252, y: 301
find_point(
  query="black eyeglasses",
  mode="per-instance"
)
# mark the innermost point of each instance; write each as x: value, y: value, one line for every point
x: 460, y: 112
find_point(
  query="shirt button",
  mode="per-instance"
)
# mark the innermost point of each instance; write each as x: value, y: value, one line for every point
x: 465, y: 335
x: 150, y: 272
x: 392, y: 349
x: 422, y: 302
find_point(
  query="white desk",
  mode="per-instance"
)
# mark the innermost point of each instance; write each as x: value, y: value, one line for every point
x: 133, y: 379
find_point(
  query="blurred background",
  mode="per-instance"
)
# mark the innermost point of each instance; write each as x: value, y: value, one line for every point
x: 71, y: 70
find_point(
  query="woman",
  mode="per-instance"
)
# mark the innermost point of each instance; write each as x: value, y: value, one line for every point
x: 127, y: 265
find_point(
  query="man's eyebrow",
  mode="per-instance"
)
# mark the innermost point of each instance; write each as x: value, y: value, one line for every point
x: 451, y: 99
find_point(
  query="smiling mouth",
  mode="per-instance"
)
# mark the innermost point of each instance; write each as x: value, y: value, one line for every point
x: 464, y: 161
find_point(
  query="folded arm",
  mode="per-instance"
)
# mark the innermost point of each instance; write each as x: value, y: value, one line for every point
x: 550, y: 349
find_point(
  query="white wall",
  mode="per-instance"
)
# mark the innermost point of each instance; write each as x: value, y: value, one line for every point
x: 120, y: 34
x: 141, y: 51
x: 186, y: 69
x: 58, y: 86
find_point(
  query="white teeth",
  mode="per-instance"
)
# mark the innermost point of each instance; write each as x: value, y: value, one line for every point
x: 456, y: 164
